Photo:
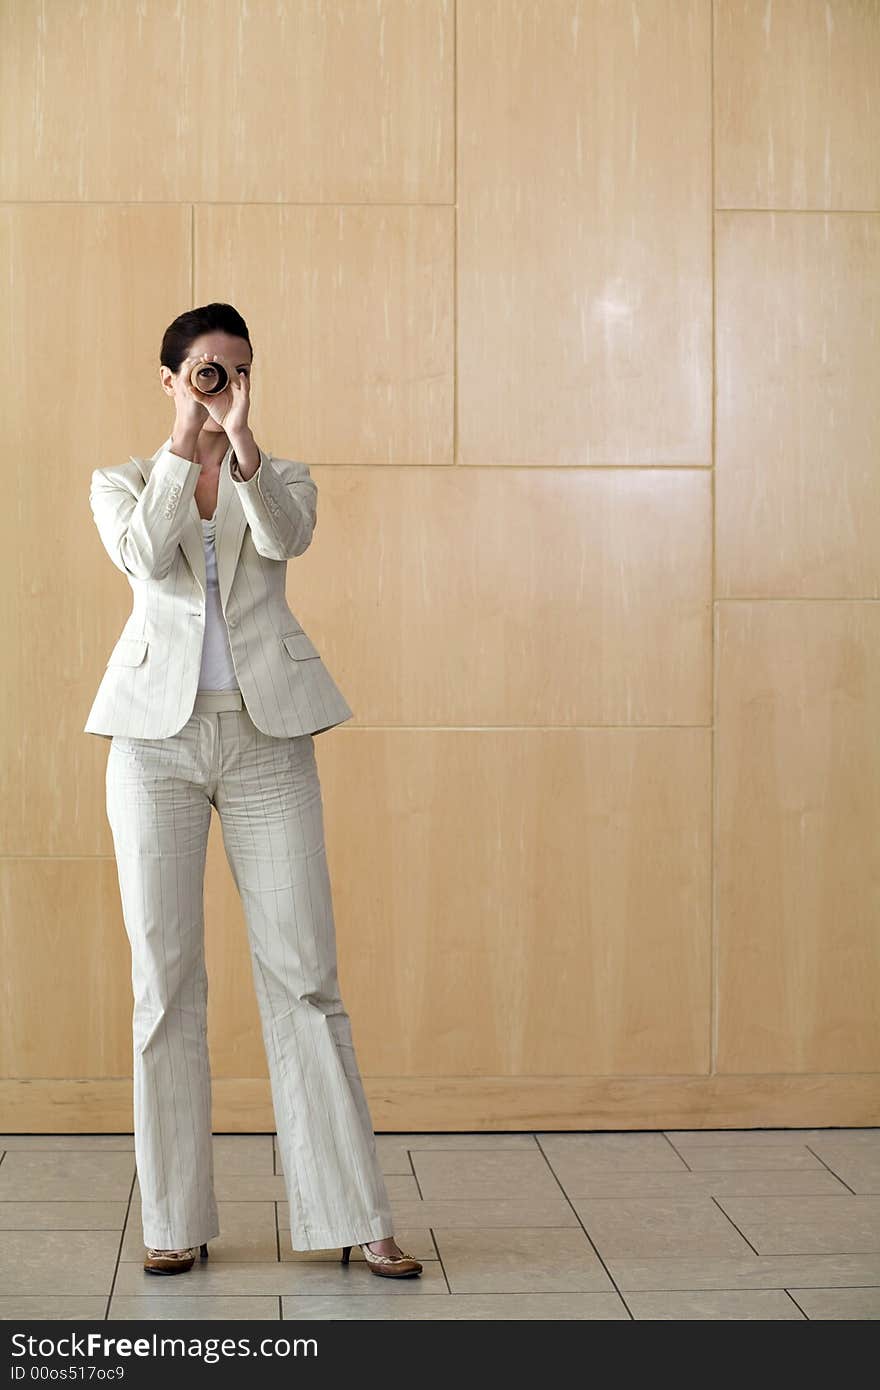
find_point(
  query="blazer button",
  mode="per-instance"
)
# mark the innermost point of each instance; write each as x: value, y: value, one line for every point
x: 232, y: 621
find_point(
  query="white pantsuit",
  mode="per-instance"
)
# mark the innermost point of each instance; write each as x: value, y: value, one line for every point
x: 267, y: 794
x: 174, y: 754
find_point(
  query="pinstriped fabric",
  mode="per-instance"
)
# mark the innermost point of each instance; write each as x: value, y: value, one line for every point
x: 149, y: 524
x: 267, y: 793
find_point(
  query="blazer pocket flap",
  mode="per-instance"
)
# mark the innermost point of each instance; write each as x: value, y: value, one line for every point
x: 129, y: 651
x: 299, y: 645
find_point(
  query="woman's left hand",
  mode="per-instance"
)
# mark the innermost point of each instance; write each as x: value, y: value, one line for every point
x: 229, y: 407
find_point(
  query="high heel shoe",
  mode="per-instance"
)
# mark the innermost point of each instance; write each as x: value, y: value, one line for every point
x: 389, y: 1266
x: 173, y: 1261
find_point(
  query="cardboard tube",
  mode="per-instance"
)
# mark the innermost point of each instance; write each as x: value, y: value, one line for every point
x: 209, y: 377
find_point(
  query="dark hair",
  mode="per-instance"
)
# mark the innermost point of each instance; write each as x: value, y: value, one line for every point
x: 182, y: 333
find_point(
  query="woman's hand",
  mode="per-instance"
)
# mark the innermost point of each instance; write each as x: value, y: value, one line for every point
x: 229, y: 407
x: 191, y: 414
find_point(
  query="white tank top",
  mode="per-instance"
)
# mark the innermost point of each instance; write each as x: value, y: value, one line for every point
x: 218, y: 671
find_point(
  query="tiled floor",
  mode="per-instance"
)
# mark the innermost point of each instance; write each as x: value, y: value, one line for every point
x: 677, y: 1224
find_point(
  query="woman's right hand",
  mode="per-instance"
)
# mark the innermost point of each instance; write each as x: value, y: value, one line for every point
x: 191, y: 414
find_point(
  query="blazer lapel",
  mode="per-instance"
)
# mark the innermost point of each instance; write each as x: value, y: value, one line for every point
x: 231, y: 523
x: 229, y: 532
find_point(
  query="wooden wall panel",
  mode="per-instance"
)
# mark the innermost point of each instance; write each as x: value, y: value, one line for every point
x: 352, y: 327
x: 798, y: 837
x: 470, y: 946
x: 797, y: 97
x: 348, y: 101
x: 85, y: 288
x: 514, y: 597
x: 584, y: 233
x: 66, y: 977
x: 797, y: 487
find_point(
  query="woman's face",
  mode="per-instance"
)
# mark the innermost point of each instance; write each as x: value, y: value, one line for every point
x: 235, y: 351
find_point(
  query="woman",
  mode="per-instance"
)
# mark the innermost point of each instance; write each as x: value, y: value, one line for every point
x: 212, y: 697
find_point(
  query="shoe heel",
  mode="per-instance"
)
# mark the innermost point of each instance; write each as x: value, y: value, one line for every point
x: 346, y: 1251
x: 204, y: 1251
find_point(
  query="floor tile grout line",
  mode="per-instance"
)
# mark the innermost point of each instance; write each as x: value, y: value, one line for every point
x: 409, y: 1154
x: 412, y: 1164
x: 729, y: 1218
x: 677, y: 1152
x: 609, y: 1174
x: 804, y: 1314
x: 855, y: 1133
x: 752, y: 1288
x: 511, y: 1293
x: 122, y: 1236
x: 825, y: 1288
x: 626, y: 1305
x: 613, y: 1175
x: 432, y: 1234
x: 833, y: 1174
x: 475, y: 1293
x: 583, y: 1227
x: 276, y: 1174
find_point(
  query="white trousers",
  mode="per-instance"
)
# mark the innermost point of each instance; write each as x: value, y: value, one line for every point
x: 267, y: 793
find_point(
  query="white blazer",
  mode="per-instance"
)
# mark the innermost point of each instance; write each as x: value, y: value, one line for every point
x: 148, y: 521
